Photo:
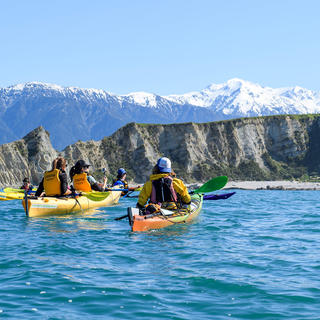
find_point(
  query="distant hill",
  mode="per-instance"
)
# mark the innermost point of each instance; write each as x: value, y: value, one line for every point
x: 71, y: 114
x: 262, y: 148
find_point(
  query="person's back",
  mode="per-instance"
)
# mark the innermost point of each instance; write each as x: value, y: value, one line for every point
x: 163, y: 189
x: 82, y: 180
x: 55, y: 181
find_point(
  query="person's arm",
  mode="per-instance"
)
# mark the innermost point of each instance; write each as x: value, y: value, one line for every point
x: 97, y: 187
x: 145, y: 194
x: 180, y: 188
x: 104, y: 183
x: 40, y: 189
x: 134, y: 188
x: 94, y: 184
x: 64, y: 184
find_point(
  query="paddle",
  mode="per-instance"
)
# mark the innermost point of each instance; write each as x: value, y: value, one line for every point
x: 212, y: 185
x: 131, y: 191
x: 97, y: 195
x: 218, y: 196
x: 26, y: 203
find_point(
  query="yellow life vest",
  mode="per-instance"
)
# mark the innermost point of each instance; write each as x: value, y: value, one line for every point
x: 51, y: 183
x: 81, y: 183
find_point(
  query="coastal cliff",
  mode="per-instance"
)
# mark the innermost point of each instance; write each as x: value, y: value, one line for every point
x: 262, y: 148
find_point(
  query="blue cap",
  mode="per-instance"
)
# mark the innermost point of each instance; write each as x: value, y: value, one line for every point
x: 164, y: 165
x: 121, y: 172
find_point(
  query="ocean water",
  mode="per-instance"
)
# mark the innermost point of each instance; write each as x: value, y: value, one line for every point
x: 255, y: 255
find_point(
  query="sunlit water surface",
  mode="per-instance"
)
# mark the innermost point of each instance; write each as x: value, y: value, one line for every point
x: 255, y: 255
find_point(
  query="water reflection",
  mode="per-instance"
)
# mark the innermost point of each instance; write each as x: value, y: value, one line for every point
x: 93, y: 219
x: 173, y: 232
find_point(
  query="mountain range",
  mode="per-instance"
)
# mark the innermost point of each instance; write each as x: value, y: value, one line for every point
x: 71, y: 114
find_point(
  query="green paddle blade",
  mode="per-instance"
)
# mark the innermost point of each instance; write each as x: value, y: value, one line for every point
x: 96, y: 196
x: 212, y: 185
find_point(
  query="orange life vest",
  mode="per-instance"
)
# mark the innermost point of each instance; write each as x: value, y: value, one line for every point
x: 81, y: 183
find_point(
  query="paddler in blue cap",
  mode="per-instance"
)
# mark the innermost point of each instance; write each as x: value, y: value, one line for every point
x: 163, y: 188
x: 122, y: 183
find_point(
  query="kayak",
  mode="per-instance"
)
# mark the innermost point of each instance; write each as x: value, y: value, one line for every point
x: 13, y: 194
x: 36, y: 207
x: 165, y: 218
x: 10, y: 196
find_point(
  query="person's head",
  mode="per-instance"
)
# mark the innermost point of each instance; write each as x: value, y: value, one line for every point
x: 121, y: 173
x: 82, y: 166
x: 164, y: 165
x: 59, y: 163
x: 26, y: 181
x: 79, y: 167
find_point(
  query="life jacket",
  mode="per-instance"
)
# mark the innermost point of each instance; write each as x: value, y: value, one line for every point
x: 124, y: 183
x: 163, y: 191
x: 51, y: 183
x: 81, y: 183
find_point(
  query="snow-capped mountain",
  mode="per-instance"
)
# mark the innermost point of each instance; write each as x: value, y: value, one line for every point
x: 237, y: 98
x: 72, y: 114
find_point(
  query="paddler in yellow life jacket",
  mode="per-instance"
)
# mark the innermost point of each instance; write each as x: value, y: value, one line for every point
x: 163, y: 188
x: 82, y: 180
x: 55, y: 181
x: 122, y: 183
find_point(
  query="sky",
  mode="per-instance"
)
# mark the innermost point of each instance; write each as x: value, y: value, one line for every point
x: 163, y: 47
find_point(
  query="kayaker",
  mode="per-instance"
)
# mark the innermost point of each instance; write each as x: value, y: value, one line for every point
x: 26, y: 185
x: 122, y: 183
x: 82, y: 180
x: 55, y: 181
x: 163, y: 188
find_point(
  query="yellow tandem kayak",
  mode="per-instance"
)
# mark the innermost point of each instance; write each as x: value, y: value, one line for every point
x: 36, y: 207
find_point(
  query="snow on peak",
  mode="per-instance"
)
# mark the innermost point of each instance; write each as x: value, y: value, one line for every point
x: 243, y: 98
x: 234, y: 98
x: 50, y: 89
x: 142, y: 98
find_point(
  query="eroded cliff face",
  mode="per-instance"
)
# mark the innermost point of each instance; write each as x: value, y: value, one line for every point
x: 28, y: 157
x: 276, y: 147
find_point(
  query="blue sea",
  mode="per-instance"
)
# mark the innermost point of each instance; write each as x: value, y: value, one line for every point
x: 255, y: 255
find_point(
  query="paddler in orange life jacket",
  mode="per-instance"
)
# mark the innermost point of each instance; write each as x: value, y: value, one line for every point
x: 122, y: 183
x: 82, y: 180
x: 55, y: 181
x: 164, y: 188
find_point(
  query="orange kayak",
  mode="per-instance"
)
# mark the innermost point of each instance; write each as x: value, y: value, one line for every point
x: 165, y: 218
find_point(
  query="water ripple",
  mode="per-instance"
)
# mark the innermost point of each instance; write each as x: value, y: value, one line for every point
x: 253, y: 256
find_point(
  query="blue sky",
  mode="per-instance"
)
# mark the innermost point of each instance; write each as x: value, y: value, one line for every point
x: 163, y: 46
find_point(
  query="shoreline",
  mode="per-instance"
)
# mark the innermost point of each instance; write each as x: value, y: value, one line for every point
x: 272, y: 185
